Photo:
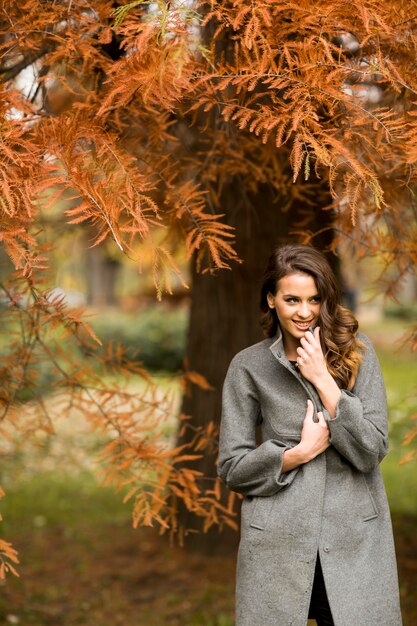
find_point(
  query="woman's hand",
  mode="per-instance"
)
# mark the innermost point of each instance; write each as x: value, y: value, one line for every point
x: 314, y: 441
x: 314, y: 435
x: 311, y: 360
x: 312, y: 365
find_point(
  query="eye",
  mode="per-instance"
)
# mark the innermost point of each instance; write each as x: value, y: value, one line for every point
x: 316, y: 299
x: 291, y: 300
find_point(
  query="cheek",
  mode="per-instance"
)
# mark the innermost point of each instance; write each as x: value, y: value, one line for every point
x: 283, y: 311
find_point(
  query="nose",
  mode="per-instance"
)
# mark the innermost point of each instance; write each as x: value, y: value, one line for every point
x: 304, y: 310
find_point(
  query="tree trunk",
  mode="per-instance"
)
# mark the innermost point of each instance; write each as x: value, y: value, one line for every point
x: 225, y: 319
x: 101, y: 274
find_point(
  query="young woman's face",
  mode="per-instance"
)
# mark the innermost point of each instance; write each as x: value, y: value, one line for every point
x: 297, y: 304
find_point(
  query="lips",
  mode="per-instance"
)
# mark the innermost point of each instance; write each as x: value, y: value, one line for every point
x: 302, y: 325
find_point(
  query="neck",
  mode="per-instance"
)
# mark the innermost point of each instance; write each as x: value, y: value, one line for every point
x: 290, y: 346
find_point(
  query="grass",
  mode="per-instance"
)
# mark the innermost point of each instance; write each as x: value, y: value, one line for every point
x: 399, y: 368
x: 400, y: 373
x: 54, y: 500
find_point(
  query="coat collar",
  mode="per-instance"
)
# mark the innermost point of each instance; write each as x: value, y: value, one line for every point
x: 277, y: 348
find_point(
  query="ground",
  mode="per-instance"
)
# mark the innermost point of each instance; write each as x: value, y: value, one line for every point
x: 112, y: 575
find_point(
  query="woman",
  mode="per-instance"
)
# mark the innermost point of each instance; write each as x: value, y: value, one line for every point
x: 316, y: 537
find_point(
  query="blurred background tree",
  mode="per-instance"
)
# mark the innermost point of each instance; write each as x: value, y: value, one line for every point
x: 166, y: 133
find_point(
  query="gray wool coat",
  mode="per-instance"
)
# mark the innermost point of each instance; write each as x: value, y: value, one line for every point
x: 334, y: 505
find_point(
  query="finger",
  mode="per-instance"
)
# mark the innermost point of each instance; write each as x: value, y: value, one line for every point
x: 308, y: 346
x: 322, y: 419
x: 302, y: 360
x: 313, y: 336
x: 310, y: 410
x: 308, y: 337
x: 302, y: 353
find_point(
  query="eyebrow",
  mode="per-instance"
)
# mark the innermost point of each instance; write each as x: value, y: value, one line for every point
x: 290, y: 295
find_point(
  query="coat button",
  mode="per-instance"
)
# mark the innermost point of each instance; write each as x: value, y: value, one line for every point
x: 326, y: 549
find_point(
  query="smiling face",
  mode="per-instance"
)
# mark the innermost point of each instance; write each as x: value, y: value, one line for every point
x: 297, y: 305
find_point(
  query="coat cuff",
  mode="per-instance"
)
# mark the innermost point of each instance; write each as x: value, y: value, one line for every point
x: 353, y: 435
x: 257, y: 472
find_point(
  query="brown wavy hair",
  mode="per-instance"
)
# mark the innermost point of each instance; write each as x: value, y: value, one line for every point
x: 338, y: 326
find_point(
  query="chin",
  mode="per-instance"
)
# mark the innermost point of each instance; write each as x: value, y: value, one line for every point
x: 299, y: 333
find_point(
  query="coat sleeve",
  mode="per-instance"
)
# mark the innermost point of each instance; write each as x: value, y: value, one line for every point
x: 359, y: 430
x: 246, y: 468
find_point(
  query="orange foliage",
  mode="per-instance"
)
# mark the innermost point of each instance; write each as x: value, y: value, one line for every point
x: 144, y: 111
x: 8, y: 554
